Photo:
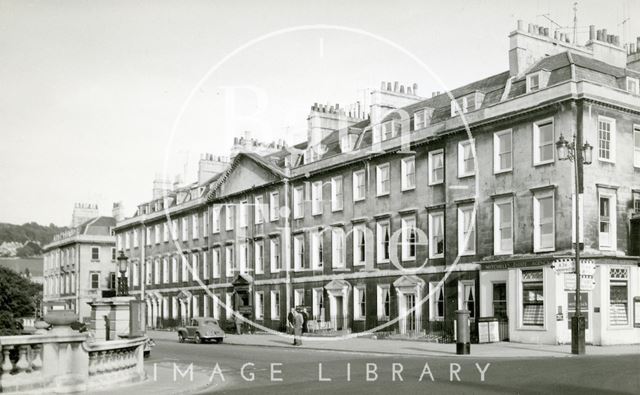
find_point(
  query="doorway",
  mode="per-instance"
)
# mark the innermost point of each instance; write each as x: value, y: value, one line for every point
x: 339, y: 314
x: 410, y: 313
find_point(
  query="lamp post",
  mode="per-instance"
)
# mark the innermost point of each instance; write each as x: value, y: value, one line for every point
x: 123, y: 288
x: 572, y: 152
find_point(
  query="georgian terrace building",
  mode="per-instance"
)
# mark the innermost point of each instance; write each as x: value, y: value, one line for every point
x: 372, y: 214
x: 80, y: 263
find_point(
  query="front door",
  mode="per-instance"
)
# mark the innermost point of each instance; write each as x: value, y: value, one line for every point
x: 410, y: 317
x: 339, y: 316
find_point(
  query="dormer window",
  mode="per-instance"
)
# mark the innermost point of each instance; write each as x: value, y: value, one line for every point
x: 533, y: 82
x: 390, y: 129
x: 348, y: 142
x: 420, y: 119
x: 632, y: 85
x: 459, y: 106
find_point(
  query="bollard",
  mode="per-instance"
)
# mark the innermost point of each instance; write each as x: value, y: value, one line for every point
x: 463, y: 344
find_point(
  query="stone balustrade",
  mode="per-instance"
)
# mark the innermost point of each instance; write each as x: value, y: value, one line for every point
x: 66, y: 361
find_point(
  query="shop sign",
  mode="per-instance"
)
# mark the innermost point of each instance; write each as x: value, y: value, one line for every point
x: 587, y: 282
x: 569, y: 266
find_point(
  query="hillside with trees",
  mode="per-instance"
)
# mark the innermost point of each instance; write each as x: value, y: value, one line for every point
x: 26, y: 240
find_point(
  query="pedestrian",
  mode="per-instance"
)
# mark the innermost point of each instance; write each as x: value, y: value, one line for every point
x: 291, y: 321
x: 297, y: 330
x: 238, y: 322
x: 305, y: 316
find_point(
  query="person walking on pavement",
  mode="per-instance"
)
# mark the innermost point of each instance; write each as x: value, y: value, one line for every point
x: 238, y: 322
x: 297, y: 330
x: 291, y: 321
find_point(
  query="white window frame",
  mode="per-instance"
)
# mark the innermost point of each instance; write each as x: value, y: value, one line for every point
x: 165, y: 232
x: 359, y: 292
x: 275, y: 307
x: 407, y: 183
x: 435, y: 292
x: 433, y: 216
x: 205, y: 264
x: 298, y: 252
x: 432, y: 169
x: 215, y: 262
x: 244, y: 213
x: 530, y: 87
x: 195, y: 266
x: 229, y: 211
x: 175, y: 234
x: 497, y: 169
x: 381, y: 289
x: 229, y: 261
x: 423, y: 121
x: 462, y: 284
x: 356, y: 175
x: 298, y: 297
x: 463, y: 249
x: 461, y: 158
x: 185, y: 228
x: 536, y: 141
x: 359, y: 230
x: 338, y: 255
x: 275, y: 255
x: 136, y: 239
x: 195, y: 228
x: 215, y: 218
x: 497, y: 226
x: 174, y: 269
x: 157, y: 236
x: 393, y: 126
x: 259, y: 305
x: 317, y: 296
x: 317, y: 245
x: 298, y: 202
x: 274, y: 205
x: 380, y: 242
x: 258, y: 209
x: 316, y: 198
x: 536, y: 220
x: 621, y: 280
x: 379, y: 182
x: 521, y: 301
x: 612, y: 141
x: 258, y: 259
x: 407, y: 224
x: 243, y: 258
x: 612, y: 244
x: 337, y: 193
x: 165, y: 270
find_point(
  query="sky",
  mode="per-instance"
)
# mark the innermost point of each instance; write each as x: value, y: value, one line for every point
x: 98, y: 98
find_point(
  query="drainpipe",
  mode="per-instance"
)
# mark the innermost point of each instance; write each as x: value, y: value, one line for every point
x: 141, y: 276
x: 77, y: 284
x: 286, y: 244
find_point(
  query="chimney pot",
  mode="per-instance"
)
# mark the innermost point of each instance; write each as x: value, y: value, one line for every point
x: 383, y: 86
x: 520, y: 25
x: 395, y: 86
x: 530, y: 28
x: 592, y: 32
x: 415, y: 85
x: 546, y: 31
x: 401, y: 88
x: 389, y: 86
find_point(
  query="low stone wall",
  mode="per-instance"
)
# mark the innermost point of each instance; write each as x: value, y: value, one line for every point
x: 62, y: 360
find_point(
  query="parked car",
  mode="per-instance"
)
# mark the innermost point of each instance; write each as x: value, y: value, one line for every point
x: 201, y: 329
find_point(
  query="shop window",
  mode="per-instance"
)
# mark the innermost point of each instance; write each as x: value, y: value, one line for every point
x: 532, y: 298
x: 618, y: 296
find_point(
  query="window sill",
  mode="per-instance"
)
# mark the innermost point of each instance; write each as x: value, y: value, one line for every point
x: 408, y: 189
x: 436, y: 319
x: 359, y: 319
x: 383, y: 319
x: 468, y: 253
x: 432, y: 184
x: 358, y: 200
x: 437, y: 256
x: 502, y: 171
x: 532, y: 328
x: 382, y: 194
x: 610, y: 161
x: 466, y: 175
x: 335, y: 210
x: 547, y: 162
x: 544, y: 250
x: 316, y: 214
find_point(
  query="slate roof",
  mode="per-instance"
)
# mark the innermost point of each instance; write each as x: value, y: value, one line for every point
x: 98, y: 226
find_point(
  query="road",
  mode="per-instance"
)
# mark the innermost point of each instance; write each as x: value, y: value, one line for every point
x: 299, y: 372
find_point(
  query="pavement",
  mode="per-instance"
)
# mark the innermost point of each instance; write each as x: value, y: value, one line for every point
x: 413, y: 347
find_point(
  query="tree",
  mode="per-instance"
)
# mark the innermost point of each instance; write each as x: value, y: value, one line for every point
x: 18, y: 298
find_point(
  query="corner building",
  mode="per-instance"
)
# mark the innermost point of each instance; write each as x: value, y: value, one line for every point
x: 373, y: 213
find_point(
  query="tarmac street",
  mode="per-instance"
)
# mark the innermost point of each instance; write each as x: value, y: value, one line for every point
x: 269, y: 369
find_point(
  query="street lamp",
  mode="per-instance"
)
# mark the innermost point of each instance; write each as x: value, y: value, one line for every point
x: 123, y: 289
x: 568, y: 151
